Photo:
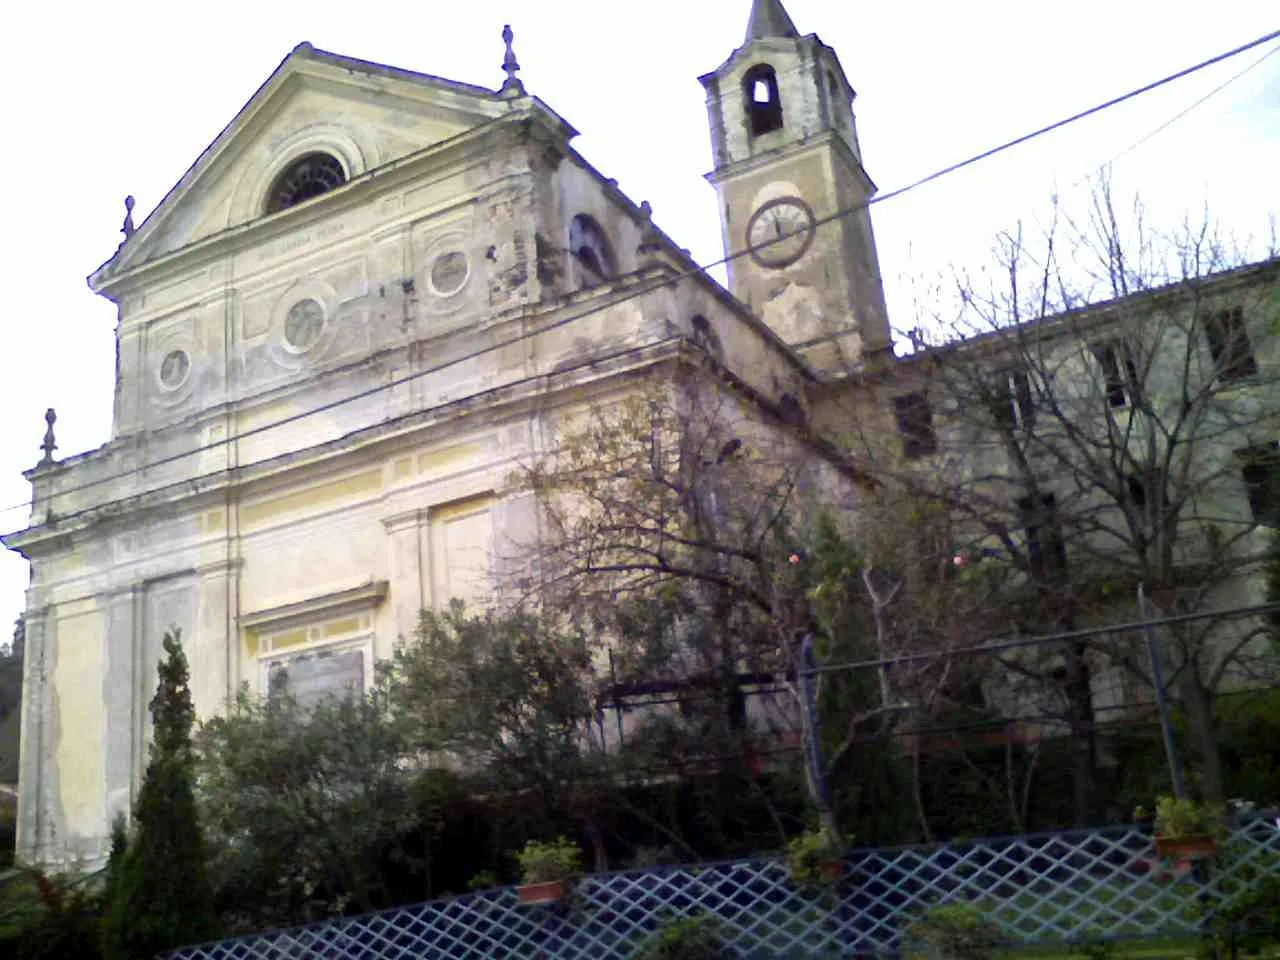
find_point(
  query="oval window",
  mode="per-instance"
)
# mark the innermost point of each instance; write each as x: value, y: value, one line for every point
x: 303, y: 324
x: 449, y: 273
x: 174, y: 369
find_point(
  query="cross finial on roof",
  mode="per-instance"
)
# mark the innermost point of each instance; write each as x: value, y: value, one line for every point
x: 49, y: 445
x: 769, y: 19
x: 127, y: 228
x: 511, y: 87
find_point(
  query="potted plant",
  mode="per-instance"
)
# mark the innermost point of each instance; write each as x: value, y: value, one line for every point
x: 546, y: 870
x: 814, y: 859
x: 1185, y: 829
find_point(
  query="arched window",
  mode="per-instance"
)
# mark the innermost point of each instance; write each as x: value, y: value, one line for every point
x: 837, y: 99
x: 705, y: 337
x: 307, y: 177
x: 764, y: 105
x: 590, y: 247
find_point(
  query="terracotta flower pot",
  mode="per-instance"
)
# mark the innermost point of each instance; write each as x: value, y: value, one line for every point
x: 1186, y: 848
x: 547, y: 892
x: 833, y: 869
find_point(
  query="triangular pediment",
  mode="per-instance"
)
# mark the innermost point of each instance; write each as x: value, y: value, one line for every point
x: 364, y: 114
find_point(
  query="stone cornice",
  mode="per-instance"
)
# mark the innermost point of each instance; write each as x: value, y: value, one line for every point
x: 330, y: 605
x: 493, y: 404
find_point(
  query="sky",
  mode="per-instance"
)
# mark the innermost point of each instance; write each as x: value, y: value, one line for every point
x: 116, y: 99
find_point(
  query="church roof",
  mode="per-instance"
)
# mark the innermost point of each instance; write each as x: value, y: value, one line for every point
x: 769, y: 19
x: 455, y: 106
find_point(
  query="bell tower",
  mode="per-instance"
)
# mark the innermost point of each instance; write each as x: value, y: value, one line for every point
x: 793, y: 193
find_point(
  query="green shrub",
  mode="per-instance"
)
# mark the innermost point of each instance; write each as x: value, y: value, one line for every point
x: 544, y: 862
x: 1247, y: 920
x: 688, y: 938
x: 159, y: 885
x: 953, y: 931
x: 49, y: 917
x: 808, y: 855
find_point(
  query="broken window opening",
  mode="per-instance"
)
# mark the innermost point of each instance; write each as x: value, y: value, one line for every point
x: 1012, y: 400
x: 1137, y: 490
x: 1229, y: 345
x: 915, y: 423
x: 1119, y: 371
x: 764, y: 104
x: 1046, y: 548
x: 1260, y: 471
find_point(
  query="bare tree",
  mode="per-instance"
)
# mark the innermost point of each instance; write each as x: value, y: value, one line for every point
x: 673, y: 523
x: 1097, y: 412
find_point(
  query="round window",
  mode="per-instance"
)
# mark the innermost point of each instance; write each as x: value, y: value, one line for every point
x: 174, y: 369
x: 303, y: 324
x: 449, y: 273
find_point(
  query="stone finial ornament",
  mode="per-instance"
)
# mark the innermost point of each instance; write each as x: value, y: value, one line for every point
x: 128, y: 228
x: 512, y: 86
x: 49, y: 445
x: 650, y: 243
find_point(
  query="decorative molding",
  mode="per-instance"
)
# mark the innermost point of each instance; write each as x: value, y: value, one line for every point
x: 327, y: 606
x: 220, y: 567
x: 410, y: 519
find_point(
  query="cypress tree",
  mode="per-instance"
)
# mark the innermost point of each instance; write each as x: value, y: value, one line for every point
x: 160, y: 892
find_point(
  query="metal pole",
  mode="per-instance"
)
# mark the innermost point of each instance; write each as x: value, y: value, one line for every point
x: 1162, y: 701
x: 809, y: 714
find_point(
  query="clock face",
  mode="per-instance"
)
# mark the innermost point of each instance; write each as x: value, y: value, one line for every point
x: 780, y: 232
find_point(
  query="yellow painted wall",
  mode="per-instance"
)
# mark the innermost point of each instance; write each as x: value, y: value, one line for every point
x: 77, y: 678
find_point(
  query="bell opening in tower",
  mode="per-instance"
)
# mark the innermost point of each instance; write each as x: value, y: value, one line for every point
x: 764, y: 105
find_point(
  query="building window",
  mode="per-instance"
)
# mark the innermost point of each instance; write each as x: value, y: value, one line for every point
x: 1137, y: 488
x: 306, y: 177
x: 315, y: 675
x: 764, y: 105
x: 590, y: 247
x: 705, y: 337
x: 1046, y: 549
x: 1260, y: 470
x: 1119, y: 371
x: 915, y: 423
x: 1229, y: 344
x: 838, y: 101
x: 1012, y: 402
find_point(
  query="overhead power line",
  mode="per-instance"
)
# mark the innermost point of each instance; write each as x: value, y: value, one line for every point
x: 1044, y: 639
x: 636, y: 292
x: 1180, y: 114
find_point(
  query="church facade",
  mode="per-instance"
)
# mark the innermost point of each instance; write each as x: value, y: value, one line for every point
x: 377, y: 293
x: 366, y: 302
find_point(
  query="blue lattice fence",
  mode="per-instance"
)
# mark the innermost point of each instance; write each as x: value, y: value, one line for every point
x: 1040, y: 889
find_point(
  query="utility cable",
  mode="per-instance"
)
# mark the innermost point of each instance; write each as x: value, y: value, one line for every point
x: 645, y: 288
x: 1261, y: 609
x: 1178, y: 116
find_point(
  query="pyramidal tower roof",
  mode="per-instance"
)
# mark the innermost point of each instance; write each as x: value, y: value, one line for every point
x: 769, y: 19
